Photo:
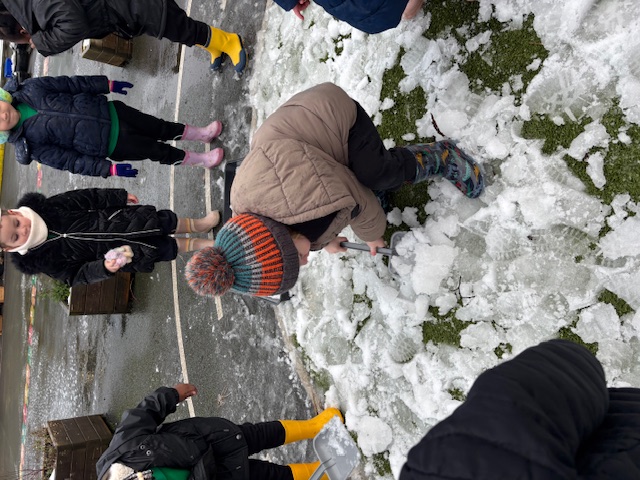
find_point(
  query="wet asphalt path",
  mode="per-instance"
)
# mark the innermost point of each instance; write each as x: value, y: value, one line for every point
x: 105, y: 364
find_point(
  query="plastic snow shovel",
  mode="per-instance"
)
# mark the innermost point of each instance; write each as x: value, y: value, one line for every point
x: 336, y: 450
x: 391, y: 251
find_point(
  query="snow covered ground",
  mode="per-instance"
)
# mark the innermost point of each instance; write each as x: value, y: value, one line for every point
x: 518, y: 265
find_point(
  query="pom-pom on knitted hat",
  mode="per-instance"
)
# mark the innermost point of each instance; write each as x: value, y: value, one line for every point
x: 5, y: 97
x: 252, y: 255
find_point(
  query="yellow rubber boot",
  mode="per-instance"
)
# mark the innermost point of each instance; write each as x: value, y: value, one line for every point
x: 217, y: 58
x: 221, y: 42
x: 296, y: 430
x: 303, y: 471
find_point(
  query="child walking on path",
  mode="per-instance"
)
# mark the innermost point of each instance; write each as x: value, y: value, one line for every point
x: 68, y: 235
x: 312, y: 170
x: 69, y: 124
x: 53, y: 26
x: 201, y: 448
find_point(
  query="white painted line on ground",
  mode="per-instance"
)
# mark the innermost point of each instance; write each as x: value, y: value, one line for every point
x: 174, y: 267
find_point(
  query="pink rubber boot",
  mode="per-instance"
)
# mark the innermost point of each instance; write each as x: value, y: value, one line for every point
x: 206, y: 159
x: 202, y: 134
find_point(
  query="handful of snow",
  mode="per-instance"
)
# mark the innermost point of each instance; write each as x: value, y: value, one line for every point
x: 122, y: 255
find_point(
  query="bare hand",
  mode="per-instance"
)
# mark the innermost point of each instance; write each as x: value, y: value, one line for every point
x: 131, y: 198
x: 185, y: 390
x: 111, y: 265
x: 334, y: 245
x: 373, y: 246
x: 302, y: 6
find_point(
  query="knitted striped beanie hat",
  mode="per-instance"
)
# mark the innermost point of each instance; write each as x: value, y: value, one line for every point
x: 252, y: 255
x: 5, y: 97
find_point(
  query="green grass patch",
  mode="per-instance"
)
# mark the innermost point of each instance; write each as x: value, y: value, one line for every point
x: 381, y: 463
x: 407, y: 109
x: 338, y: 48
x: 503, y: 348
x: 55, y: 290
x: 621, y: 307
x: 457, y: 394
x: 565, y: 333
x: 361, y: 298
x: 445, y: 329
x: 621, y: 163
x: 450, y: 15
x: 554, y: 136
x: 503, y: 59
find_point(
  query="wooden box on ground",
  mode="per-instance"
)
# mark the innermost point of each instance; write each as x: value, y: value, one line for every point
x: 108, y: 296
x: 78, y: 443
x: 111, y: 49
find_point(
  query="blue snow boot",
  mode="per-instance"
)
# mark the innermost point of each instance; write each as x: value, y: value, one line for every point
x: 445, y: 159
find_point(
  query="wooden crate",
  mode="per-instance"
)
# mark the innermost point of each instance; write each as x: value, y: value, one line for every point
x: 111, y: 49
x: 78, y: 443
x: 109, y: 296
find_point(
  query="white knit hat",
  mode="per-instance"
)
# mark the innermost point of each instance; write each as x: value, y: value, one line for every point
x: 38, y: 233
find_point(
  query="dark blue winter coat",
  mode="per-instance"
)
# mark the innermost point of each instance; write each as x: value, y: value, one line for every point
x: 370, y: 16
x: 71, y: 130
x: 84, y: 225
x: 545, y: 415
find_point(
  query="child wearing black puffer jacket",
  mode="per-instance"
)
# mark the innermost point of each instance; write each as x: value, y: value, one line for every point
x: 86, y: 236
x: 68, y: 123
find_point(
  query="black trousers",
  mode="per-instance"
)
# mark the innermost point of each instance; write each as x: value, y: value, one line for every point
x: 180, y: 28
x: 166, y: 247
x: 262, y: 436
x: 375, y: 166
x: 142, y: 136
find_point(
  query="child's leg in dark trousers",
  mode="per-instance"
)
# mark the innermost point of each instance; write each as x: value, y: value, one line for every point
x: 262, y: 436
x: 381, y: 169
x: 146, y: 125
x: 139, y: 136
x: 182, y: 29
x: 375, y: 166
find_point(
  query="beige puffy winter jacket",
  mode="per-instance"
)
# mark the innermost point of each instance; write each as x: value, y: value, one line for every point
x: 297, y: 168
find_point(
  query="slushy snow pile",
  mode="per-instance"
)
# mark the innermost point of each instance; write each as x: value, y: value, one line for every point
x: 505, y: 262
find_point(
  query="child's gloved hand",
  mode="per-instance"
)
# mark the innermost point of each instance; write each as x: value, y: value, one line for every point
x: 116, y: 86
x: 118, y: 257
x: 123, y: 170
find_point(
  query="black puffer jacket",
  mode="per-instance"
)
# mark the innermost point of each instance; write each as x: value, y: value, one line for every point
x: 544, y: 415
x: 211, y: 447
x: 57, y: 25
x: 71, y: 130
x: 84, y: 225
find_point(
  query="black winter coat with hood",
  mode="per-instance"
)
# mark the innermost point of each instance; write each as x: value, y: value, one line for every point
x: 545, y: 415
x: 84, y: 225
x: 57, y: 25
x: 211, y: 447
x: 72, y: 127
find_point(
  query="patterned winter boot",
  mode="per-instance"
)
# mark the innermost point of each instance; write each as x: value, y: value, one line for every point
x: 446, y: 160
